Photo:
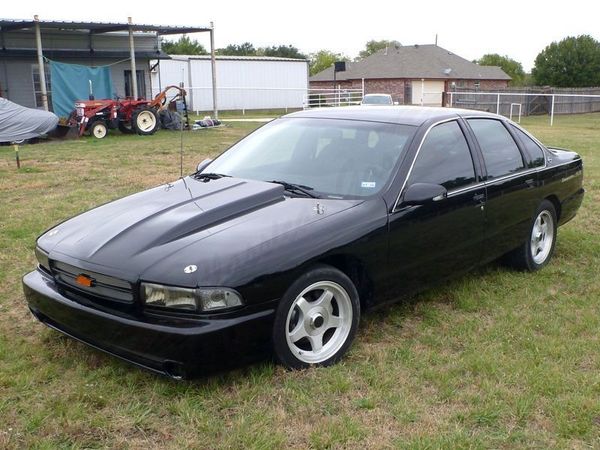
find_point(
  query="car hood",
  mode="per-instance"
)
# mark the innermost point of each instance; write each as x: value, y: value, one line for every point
x: 156, y: 233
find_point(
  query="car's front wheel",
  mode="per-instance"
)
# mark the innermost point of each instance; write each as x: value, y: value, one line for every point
x: 317, y: 319
x: 539, y: 247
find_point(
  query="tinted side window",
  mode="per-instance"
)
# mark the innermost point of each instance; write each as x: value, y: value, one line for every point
x: 500, y: 151
x: 534, y: 150
x: 444, y: 158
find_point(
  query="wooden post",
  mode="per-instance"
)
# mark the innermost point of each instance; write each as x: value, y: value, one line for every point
x: 40, y: 56
x: 134, y: 87
x: 16, y: 147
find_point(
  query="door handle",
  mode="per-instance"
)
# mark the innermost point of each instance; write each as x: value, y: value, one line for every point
x: 530, y: 182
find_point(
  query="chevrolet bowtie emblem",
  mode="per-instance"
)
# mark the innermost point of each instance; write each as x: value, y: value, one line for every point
x: 85, y: 280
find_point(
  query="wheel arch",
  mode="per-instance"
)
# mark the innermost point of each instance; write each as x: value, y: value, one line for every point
x: 356, y: 270
x: 557, y: 206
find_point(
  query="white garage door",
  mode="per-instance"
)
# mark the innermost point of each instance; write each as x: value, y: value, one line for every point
x: 428, y: 92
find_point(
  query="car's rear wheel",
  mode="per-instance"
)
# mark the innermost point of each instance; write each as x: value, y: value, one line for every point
x: 317, y: 319
x: 537, y: 251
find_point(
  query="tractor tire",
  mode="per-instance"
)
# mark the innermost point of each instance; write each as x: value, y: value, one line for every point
x: 126, y: 127
x: 145, y: 121
x: 98, y: 129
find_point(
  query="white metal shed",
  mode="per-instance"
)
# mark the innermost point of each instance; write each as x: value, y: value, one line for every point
x: 243, y: 82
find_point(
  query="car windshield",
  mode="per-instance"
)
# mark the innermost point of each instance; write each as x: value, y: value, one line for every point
x: 330, y: 157
x: 376, y: 100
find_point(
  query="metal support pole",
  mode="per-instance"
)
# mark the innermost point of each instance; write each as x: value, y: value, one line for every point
x: 422, y: 90
x: 552, y: 112
x: 134, y: 87
x: 190, y: 83
x: 159, y: 48
x: 498, y: 104
x: 40, y: 55
x: 362, y: 87
x: 213, y: 66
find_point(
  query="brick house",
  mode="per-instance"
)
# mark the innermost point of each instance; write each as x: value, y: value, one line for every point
x: 414, y: 74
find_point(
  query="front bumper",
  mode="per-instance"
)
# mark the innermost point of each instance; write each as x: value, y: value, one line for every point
x: 177, y: 347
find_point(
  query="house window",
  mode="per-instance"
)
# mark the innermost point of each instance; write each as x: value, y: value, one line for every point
x: 141, y: 83
x: 477, y: 84
x: 37, y: 86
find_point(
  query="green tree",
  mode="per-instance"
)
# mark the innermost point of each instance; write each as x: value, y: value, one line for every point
x: 245, y: 49
x: 572, y: 62
x: 374, y: 46
x: 183, y: 46
x: 282, y: 51
x: 323, y: 59
x: 513, y: 68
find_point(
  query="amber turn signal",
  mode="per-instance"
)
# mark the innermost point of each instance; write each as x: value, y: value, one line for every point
x: 84, y: 280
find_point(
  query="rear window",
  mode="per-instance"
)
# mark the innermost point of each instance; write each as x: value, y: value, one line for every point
x: 534, y: 151
x: 500, y: 151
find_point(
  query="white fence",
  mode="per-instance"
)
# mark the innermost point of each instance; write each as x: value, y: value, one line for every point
x: 526, y: 103
x: 319, y: 97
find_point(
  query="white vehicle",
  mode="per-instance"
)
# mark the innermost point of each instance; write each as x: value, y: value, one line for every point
x: 377, y: 99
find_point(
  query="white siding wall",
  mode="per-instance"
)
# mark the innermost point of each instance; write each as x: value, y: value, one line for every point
x: 16, y: 78
x: 79, y: 40
x: 241, y: 84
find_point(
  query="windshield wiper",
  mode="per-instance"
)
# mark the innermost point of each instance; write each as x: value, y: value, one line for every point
x: 209, y: 176
x: 291, y: 187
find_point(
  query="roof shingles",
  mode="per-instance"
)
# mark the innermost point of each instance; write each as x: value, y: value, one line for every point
x: 414, y: 61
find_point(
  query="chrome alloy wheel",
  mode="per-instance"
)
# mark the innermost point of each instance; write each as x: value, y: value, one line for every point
x: 146, y: 121
x: 542, y: 236
x: 319, y: 322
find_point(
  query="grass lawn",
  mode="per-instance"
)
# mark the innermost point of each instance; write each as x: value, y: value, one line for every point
x: 495, y: 359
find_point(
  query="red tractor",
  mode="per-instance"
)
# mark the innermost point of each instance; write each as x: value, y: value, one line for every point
x: 128, y: 115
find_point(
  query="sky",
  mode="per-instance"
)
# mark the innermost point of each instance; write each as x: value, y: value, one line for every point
x: 519, y: 29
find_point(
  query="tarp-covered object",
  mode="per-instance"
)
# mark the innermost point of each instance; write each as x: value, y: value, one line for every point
x: 71, y: 82
x: 18, y: 122
x: 170, y: 120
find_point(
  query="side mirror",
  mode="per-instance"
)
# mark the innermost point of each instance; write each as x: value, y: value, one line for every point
x: 200, y: 167
x: 422, y: 193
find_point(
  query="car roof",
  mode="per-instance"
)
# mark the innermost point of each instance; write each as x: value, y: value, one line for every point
x: 405, y: 115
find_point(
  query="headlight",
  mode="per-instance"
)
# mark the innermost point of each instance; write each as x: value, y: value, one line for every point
x: 198, y: 300
x: 42, y: 258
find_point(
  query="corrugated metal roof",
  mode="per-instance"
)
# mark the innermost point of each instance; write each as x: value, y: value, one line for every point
x: 98, y: 27
x: 235, y: 58
x: 414, y: 61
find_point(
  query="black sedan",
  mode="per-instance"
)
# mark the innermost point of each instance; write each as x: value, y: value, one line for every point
x: 287, y: 237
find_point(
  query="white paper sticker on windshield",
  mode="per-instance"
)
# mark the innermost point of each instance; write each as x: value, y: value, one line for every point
x: 367, y: 184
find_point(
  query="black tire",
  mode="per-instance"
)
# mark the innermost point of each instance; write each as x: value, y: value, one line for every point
x: 98, y: 129
x: 126, y: 127
x: 331, y: 322
x: 145, y: 121
x: 523, y: 257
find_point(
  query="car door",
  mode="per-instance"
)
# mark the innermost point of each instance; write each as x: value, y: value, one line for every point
x: 512, y: 197
x: 429, y: 242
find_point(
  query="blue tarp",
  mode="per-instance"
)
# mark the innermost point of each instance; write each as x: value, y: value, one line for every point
x: 71, y: 82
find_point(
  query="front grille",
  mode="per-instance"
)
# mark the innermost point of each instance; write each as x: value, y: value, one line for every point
x: 104, y: 287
